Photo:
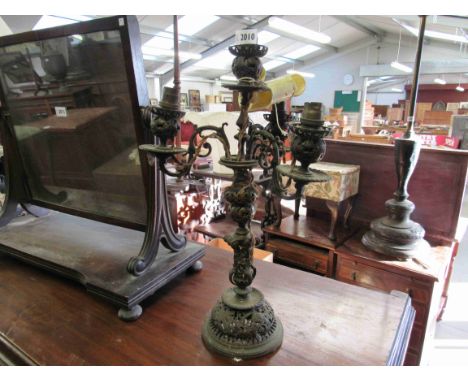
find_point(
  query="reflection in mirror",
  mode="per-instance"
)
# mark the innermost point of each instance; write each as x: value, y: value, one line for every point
x: 71, y: 108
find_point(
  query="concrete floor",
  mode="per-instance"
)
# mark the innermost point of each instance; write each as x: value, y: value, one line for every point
x: 451, y: 337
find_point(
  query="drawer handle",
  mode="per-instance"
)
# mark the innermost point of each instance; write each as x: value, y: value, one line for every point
x: 354, y: 276
x: 316, y: 264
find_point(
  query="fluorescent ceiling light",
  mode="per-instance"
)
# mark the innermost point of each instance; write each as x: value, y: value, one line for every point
x: 55, y: 21
x: 191, y: 24
x: 226, y: 77
x: 397, y: 90
x: 287, y: 27
x: 273, y: 64
x: 435, y: 34
x: 303, y: 74
x: 188, y: 25
x: 304, y: 51
x: 151, y: 51
x: 385, y: 78
x: 459, y: 89
x: 160, y: 42
x: 220, y: 60
x: 399, y: 66
x: 163, y: 69
x: 440, y: 81
x: 264, y: 37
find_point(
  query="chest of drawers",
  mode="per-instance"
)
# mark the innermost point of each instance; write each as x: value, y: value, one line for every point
x: 422, y: 278
x: 303, y: 244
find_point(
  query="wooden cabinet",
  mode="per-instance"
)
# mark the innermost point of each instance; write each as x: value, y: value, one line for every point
x: 312, y: 258
x: 304, y: 243
x: 28, y: 107
x: 422, y: 278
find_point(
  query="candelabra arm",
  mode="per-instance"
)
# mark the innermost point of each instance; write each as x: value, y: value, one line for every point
x: 264, y: 147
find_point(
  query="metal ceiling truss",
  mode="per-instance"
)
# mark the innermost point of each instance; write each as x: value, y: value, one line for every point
x: 361, y: 25
x: 328, y: 56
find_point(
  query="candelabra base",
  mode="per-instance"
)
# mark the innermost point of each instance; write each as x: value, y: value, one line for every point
x: 242, y: 325
x: 396, y: 235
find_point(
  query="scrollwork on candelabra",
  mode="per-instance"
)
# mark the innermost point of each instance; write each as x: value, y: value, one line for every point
x: 164, y: 124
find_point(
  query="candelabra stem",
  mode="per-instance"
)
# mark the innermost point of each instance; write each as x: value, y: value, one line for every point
x: 242, y: 324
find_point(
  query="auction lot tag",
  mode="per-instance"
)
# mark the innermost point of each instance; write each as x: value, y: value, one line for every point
x: 61, y: 111
x: 246, y: 36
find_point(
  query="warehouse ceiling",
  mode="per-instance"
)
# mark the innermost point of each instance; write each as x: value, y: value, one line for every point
x: 207, y: 37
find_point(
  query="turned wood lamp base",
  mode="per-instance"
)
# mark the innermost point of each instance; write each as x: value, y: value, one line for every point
x: 396, y: 235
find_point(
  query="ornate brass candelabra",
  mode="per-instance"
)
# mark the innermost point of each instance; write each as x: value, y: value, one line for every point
x: 396, y: 234
x: 242, y: 324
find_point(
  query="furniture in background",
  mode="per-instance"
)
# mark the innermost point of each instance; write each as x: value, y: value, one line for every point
x: 372, y: 138
x: 437, y: 118
x: 66, y: 162
x: 31, y: 107
x: 459, y: 129
x: 218, y: 224
x: 381, y: 110
x: 304, y: 243
x: 437, y: 185
x: 423, y: 278
x: 395, y: 114
x: 341, y: 189
x: 326, y: 322
x: 437, y: 188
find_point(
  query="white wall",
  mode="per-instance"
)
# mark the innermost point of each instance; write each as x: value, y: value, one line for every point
x: 153, y: 87
x: 329, y: 76
x: 385, y: 98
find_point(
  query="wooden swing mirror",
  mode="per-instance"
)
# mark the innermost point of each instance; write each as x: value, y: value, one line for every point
x: 96, y: 210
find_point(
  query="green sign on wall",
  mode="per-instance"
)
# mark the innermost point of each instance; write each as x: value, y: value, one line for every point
x: 348, y: 100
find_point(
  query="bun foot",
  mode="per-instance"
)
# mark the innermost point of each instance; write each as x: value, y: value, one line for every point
x: 195, y: 267
x: 131, y: 314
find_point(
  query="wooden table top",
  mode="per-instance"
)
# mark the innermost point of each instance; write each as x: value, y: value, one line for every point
x: 75, y: 120
x: 310, y: 230
x: 431, y: 266
x: 51, y: 321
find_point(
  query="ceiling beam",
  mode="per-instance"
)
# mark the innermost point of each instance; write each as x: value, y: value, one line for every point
x: 152, y: 31
x: 328, y: 56
x: 326, y: 47
x: 451, y: 21
x: 411, y: 40
x: 427, y: 67
x: 236, y: 19
x: 361, y: 26
x: 385, y: 84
